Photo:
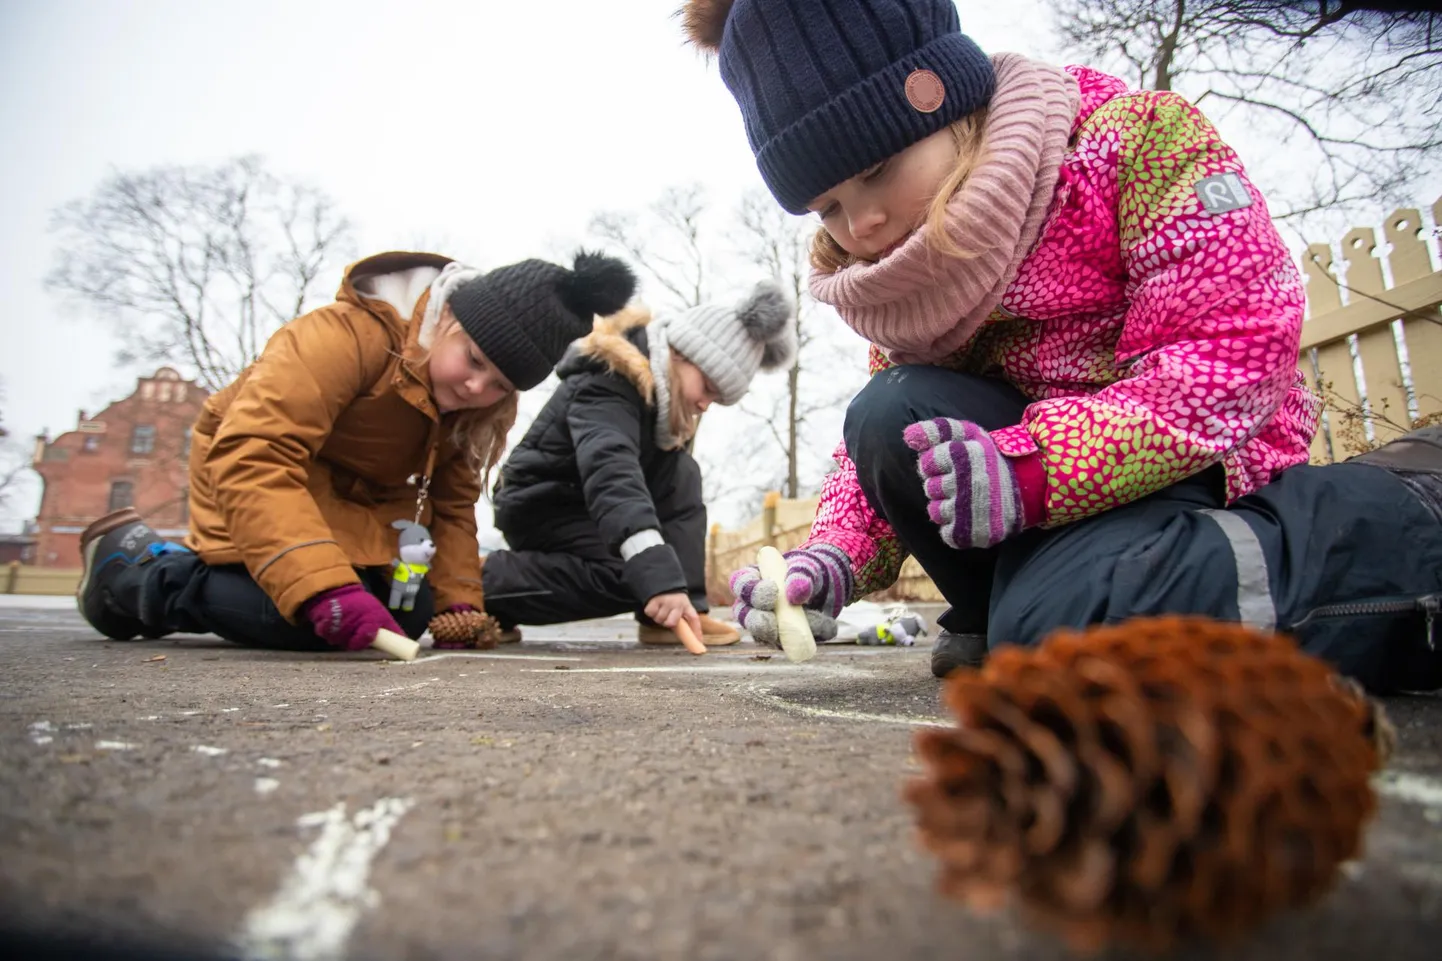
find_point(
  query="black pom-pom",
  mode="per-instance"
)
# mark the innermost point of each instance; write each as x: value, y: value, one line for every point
x: 597, y: 285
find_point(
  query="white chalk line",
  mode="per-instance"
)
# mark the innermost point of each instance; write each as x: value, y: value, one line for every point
x: 702, y: 666
x: 1412, y: 788
x: 482, y: 655
x: 319, y: 903
x: 409, y: 687
x: 840, y: 714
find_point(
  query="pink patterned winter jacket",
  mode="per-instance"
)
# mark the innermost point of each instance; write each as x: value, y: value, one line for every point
x: 1154, y: 338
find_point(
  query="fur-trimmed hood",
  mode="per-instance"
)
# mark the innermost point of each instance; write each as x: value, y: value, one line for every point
x: 616, y: 344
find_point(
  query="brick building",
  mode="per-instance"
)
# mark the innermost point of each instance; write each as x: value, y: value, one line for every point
x: 132, y: 453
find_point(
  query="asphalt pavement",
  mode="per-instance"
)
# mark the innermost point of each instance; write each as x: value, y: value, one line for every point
x: 575, y: 796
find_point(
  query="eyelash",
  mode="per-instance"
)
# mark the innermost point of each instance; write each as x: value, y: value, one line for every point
x: 869, y: 176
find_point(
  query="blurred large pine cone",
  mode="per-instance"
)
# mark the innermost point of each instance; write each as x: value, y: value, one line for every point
x: 1149, y: 782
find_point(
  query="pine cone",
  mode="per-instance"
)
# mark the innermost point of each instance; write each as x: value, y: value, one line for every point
x: 465, y: 629
x: 1157, y: 780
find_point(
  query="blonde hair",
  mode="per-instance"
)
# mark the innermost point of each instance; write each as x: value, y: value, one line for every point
x: 683, y: 423
x: 828, y: 256
x: 479, y: 432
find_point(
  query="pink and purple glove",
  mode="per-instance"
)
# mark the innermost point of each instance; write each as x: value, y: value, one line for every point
x: 348, y: 617
x: 818, y: 578
x: 973, y: 491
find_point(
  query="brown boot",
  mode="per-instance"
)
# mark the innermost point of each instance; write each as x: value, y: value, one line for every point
x: 714, y: 633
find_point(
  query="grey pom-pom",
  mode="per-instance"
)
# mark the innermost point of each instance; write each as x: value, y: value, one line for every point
x: 765, y: 311
x: 597, y: 284
x: 779, y: 351
x: 767, y: 316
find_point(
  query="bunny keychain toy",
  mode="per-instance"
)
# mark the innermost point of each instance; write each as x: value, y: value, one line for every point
x: 416, y: 550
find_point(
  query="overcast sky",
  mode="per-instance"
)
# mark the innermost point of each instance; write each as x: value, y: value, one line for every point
x: 487, y: 130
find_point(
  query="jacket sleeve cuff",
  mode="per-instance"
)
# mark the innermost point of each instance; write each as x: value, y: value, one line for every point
x: 656, y: 570
x: 1031, y: 482
x: 640, y: 541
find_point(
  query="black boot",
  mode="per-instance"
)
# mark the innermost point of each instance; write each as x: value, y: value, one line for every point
x: 113, y: 552
x: 952, y: 651
x: 1415, y: 459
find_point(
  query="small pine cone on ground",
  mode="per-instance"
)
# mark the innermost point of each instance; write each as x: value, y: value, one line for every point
x: 465, y: 629
x: 1158, y: 780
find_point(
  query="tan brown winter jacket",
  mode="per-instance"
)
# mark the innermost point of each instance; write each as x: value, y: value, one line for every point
x: 299, y: 467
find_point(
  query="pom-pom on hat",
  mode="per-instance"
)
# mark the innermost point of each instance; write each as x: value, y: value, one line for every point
x: 730, y: 342
x: 524, y: 315
x: 829, y: 88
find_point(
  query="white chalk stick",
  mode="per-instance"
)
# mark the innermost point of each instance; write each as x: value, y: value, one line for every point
x: 796, y: 639
x: 398, y: 647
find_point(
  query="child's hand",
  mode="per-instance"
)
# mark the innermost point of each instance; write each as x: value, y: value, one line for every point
x: 817, y: 577
x: 972, y: 492
x: 668, y: 609
x: 348, y: 617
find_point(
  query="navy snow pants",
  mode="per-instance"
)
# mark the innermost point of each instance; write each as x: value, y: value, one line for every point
x: 1345, y: 557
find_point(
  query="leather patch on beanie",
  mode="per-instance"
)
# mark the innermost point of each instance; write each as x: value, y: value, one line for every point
x: 925, y: 91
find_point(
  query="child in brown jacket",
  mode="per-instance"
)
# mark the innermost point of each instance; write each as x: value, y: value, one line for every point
x: 391, y: 404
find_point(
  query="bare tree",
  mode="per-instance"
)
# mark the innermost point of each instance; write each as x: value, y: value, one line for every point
x: 668, y: 242
x: 773, y: 439
x: 780, y: 244
x: 1351, y: 98
x: 14, y: 462
x: 208, y: 260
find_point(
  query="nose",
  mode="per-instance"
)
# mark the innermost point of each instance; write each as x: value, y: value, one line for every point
x: 866, y: 220
x: 704, y: 403
x: 484, y: 390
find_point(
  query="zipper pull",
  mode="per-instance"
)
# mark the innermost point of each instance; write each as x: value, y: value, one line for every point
x: 1431, y: 604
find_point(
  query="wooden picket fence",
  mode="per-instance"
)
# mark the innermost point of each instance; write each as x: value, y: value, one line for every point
x: 1373, y: 349
x: 17, y: 578
x: 1371, y: 346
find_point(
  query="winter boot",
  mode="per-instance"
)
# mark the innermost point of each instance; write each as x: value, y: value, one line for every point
x: 1415, y: 459
x: 714, y: 633
x: 953, y: 651
x: 113, y: 551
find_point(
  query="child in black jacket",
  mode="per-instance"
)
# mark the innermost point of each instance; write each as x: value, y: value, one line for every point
x: 600, y: 502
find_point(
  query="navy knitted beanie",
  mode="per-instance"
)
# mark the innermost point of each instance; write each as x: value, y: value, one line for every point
x: 828, y: 88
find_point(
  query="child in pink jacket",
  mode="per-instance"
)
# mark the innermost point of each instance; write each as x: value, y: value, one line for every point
x: 1085, y: 402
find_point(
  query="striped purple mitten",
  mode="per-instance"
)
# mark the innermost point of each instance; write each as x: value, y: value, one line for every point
x: 971, y: 489
x: 818, y: 578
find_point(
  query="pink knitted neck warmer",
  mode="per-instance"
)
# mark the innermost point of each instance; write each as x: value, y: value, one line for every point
x: 920, y: 305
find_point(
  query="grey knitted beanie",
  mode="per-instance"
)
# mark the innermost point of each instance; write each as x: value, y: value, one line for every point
x: 729, y: 342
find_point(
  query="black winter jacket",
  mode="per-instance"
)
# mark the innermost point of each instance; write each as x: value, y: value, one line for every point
x: 594, y: 444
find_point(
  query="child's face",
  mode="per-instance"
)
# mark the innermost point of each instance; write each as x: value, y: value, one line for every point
x: 462, y: 378
x: 696, y: 390
x: 873, y: 212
